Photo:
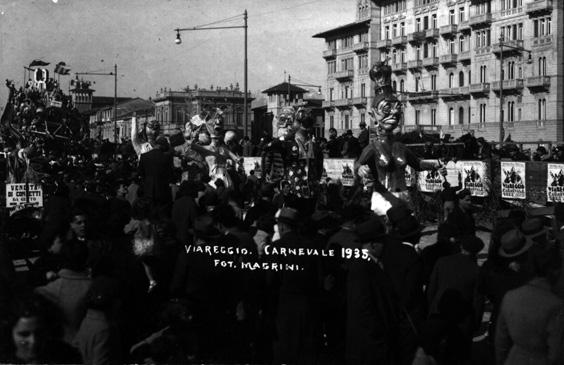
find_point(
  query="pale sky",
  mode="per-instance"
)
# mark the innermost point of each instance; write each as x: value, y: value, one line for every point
x: 92, y: 35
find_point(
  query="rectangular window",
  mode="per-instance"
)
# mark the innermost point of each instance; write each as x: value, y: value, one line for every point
x: 394, y: 30
x: 433, y: 116
x: 542, y: 27
x: 417, y: 83
x: 363, y: 117
x: 387, y: 32
x: 331, y: 92
x: 347, y: 122
x: 363, y: 90
x: 435, y: 50
x: 417, y: 115
x: 331, y: 121
x: 548, y: 25
x: 452, y: 47
x: 536, y: 28
x: 402, y: 29
x: 417, y: 24
x: 426, y: 50
x: 461, y: 17
x: 488, y: 37
x: 433, y: 82
x: 434, y: 21
x: 425, y: 23
x: 520, y: 32
x: 418, y: 53
x: 451, y: 18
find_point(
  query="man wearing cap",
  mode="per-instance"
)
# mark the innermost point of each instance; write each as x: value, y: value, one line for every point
x: 461, y: 216
x: 372, y: 308
x: 155, y: 169
x: 298, y: 295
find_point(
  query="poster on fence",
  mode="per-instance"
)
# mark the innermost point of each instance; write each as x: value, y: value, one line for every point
x: 18, y: 195
x: 430, y: 181
x: 340, y: 169
x: 252, y: 164
x: 474, y: 177
x: 513, y: 180
x: 555, y: 183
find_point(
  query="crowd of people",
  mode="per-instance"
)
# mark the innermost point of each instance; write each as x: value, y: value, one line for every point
x: 161, y: 250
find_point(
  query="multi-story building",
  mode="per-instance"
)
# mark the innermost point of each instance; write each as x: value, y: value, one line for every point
x: 102, y: 124
x: 174, y: 108
x: 351, y: 50
x: 447, y: 58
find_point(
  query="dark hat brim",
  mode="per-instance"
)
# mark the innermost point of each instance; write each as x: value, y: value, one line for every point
x: 528, y: 244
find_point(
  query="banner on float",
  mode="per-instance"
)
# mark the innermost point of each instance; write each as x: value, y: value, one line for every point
x: 474, y: 177
x: 513, y: 180
x: 555, y: 183
x: 254, y: 164
x: 18, y: 195
x: 339, y: 169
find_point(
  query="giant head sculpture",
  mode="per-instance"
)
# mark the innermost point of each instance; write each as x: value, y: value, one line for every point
x: 386, y: 109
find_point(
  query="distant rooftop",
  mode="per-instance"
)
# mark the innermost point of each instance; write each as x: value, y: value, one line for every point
x: 336, y: 31
x: 282, y: 89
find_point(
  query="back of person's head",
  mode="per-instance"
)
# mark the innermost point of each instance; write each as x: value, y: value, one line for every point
x: 225, y: 215
x: 141, y: 208
x: 75, y: 255
x: 545, y: 261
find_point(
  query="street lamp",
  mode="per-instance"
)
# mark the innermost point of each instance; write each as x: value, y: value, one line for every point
x: 114, y: 74
x: 178, y: 40
x: 501, y: 77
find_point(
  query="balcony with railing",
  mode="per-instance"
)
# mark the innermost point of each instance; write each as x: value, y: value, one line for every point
x: 414, y: 64
x: 330, y: 53
x: 361, y: 47
x: 448, y: 30
x: 464, y: 26
x: 431, y: 62
x: 539, y: 6
x: 432, y: 33
x: 479, y: 20
x: 400, y: 67
x: 383, y: 43
x: 480, y: 88
x: 359, y: 101
x: 423, y: 96
x: 542, y: 41
x: 538, y: 82
x: 511, y: 45
x: 327, y: 104
x: 400, y: 40
x: 416, y: 37
x: 508, y: 85
x: 464, y: 56
x: 449, y: 59
x: 464, y: 91
x: 402, y: 98
x: 449, y: 93
x: 342, y: 103
x: 344, y: 75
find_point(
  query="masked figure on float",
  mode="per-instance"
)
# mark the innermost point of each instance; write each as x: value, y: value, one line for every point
x: 382, y: 163
x: 293, y: 156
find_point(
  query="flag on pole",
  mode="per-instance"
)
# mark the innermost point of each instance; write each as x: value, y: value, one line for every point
x: 62, y: 69
x: 35, y: 63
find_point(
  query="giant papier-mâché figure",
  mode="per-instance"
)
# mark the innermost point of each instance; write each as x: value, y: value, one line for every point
x: 382, y: 163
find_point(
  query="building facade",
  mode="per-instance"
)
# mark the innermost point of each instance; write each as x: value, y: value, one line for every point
x: 102, y: 124
x: 175, y: 108
x: 461, y: 65
x: 350, y: 52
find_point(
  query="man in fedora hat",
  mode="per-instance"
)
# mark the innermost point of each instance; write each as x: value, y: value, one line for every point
x: 363, y: 137
x: 405, y: 268
x: 372, y: 307
x: 298, y: 295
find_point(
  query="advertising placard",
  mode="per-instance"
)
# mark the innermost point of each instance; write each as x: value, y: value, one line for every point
x: 252, y: 163
x: 555, y: 183
x: 340, y: 169
x: 20, y: 195
x: 474, y: 177
x: 513, y: 181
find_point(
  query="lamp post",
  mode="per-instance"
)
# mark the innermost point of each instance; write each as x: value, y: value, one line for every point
x: 114, y: 74
x: 178, y: 40
x: 501, y: 78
